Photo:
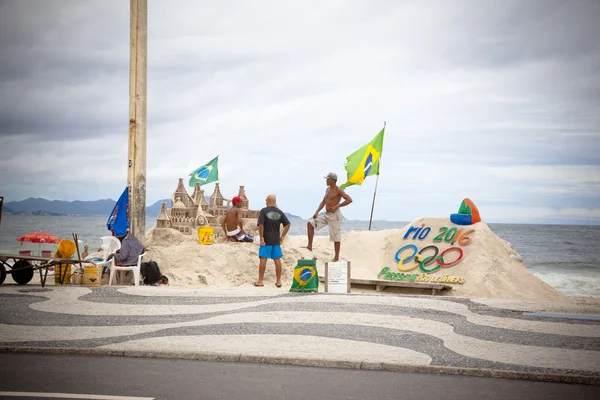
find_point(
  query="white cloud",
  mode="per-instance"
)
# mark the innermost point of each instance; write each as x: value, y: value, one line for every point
x: 478, y: 103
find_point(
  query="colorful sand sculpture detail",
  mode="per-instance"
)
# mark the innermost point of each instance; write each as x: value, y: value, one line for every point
x: 468, y: 214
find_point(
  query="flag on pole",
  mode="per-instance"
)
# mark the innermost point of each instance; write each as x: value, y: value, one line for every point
x: 207, y: 173
x: 364, y: 161
x: 118, y: 220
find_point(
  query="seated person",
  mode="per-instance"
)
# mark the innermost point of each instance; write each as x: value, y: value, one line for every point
x: 131, y: 248
x: 233, y: 224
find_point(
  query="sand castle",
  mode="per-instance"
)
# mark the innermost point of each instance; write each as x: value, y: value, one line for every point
x: 188, y: 213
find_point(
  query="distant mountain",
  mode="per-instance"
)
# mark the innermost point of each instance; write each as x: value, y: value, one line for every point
x: 59, y: 207
x: 38, y: 206
x: 292, y: 216
x: 154, y: 209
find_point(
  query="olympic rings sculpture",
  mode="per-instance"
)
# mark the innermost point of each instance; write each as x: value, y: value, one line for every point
x: 422, y: 262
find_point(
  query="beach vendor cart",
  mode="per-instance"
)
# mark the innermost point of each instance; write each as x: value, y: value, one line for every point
x: 22, y: 266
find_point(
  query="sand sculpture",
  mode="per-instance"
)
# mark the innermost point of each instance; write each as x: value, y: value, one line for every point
x: 470, y: 258
x: 188, y: 213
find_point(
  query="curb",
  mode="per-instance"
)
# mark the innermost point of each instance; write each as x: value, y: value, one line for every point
x: 315, y: 362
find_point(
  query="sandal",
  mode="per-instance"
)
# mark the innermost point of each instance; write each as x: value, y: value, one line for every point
x: 257, y: 285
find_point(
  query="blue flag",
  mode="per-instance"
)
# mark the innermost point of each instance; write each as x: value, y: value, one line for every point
x: 118, y: 221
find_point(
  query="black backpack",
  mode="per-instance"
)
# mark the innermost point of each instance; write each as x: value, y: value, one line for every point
x: 151, y: 273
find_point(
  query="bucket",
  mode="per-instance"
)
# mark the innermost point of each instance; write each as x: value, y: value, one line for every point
x: 206, y: 235
x: 66, y: 249
x: 62, y: 270
x: 92, y: 275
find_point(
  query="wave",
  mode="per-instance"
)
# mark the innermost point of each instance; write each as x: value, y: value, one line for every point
x: 571, y: 285
x: 565, y: 266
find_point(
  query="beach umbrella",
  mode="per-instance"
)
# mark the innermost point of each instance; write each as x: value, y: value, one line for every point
x: 39, y: 237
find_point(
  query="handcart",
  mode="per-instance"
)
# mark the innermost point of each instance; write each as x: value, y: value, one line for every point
x: 24, y: 267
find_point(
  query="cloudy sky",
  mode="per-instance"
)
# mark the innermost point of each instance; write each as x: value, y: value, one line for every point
x: 495, y: 101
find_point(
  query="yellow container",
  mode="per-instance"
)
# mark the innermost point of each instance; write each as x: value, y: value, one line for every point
x: 92, y: 275
x: 66, y: 249
x: 62, y: 270
x: 206, y: 235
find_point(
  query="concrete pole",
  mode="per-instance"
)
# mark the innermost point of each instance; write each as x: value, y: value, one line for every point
x: 136, y: 164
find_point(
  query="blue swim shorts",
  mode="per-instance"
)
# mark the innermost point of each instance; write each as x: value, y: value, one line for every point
x: 273, y: 252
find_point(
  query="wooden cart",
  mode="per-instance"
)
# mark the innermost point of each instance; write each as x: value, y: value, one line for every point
x: 24, y: 267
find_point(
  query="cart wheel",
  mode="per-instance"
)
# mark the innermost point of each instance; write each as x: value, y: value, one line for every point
x: 22, y: 272
x: 2, y: 273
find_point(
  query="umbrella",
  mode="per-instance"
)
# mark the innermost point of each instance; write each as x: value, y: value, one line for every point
x: 38, y: 237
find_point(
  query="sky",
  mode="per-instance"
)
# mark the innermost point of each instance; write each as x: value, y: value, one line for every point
x: 495, y: 101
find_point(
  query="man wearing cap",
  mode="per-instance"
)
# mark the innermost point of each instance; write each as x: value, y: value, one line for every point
x: 233, y: 225
x: 333, y: 215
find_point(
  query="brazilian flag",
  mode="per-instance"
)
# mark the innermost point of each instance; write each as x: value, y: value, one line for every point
x: 364, y: 161
x: 205, y: 174
x: 306, y: 278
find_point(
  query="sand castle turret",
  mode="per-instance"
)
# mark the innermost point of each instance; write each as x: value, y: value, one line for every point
x: 179, y: 209
x: 216, y: 199
x: 182, y: 194
x: 197, y: 193
x: 242, y: 194
x: 163, y: 220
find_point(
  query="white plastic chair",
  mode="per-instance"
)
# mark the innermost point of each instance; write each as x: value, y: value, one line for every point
x: 135, y: 268
x: 110, y: 244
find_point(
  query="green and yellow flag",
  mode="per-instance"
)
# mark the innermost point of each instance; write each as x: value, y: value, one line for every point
x: 364, y: 161
x: 207, y: 173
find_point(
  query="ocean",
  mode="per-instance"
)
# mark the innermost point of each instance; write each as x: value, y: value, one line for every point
x: 564, y: 256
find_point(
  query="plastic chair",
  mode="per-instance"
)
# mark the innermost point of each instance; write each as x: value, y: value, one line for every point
x: 135, y: 268
x: 46, y: 253
x: 110, y: 244
x: 24, y: 252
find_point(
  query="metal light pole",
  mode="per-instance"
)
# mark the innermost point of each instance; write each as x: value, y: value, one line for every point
x: 136, y: 164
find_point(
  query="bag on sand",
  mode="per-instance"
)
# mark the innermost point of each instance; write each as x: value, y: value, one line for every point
x: 306, y: 278
x: 151, y: 273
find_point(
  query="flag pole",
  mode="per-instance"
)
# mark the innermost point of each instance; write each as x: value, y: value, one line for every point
x: 375, y: 191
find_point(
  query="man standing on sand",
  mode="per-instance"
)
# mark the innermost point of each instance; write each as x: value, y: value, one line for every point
x: 233, y: 224
x: 269, y: 221
x: 332, y: 216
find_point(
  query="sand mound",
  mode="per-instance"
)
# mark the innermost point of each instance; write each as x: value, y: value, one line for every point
x: 490, y: 266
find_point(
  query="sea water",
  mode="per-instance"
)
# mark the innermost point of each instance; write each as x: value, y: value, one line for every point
x: 564, y: 256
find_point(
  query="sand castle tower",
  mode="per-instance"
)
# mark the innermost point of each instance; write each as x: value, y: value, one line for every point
x: 197, y: 193
x: 163, y: 220
x: 216, y: 199
x: 179, y: 210
x: 242, y: 194
x: 182, y: 194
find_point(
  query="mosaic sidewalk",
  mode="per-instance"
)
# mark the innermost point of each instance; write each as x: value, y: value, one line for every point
x: 404, y: 333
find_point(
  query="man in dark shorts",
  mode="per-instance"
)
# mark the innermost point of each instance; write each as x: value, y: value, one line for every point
x: 233, y: 224
x: 269, y: 221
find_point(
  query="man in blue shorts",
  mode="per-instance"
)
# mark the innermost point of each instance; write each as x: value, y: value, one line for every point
x: 269, y: 221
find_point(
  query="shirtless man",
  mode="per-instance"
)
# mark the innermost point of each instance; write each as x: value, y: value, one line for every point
x: 332, y: 216
x: 233, y: 225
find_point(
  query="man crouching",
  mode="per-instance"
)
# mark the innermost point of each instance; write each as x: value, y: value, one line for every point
x: 233, y: 225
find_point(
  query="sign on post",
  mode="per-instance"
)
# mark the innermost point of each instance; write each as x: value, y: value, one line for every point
x: 337, y: 277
